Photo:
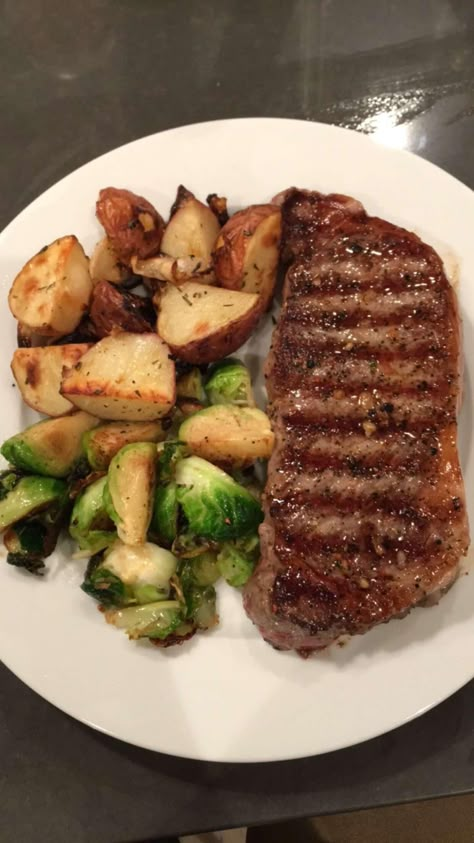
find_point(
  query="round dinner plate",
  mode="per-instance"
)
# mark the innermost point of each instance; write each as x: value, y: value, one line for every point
x: 226, y: 695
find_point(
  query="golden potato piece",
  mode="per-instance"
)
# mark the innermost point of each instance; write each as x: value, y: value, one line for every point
x: 202, y: 323
x: 38, y: 373
x: 126, y: 377
x: 247, y: 251
x: 228, y: 435
x: 192, y: 230
x: 105, y: 264
x: 51, y: 293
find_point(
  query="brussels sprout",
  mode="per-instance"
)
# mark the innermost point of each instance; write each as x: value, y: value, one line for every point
x: 227, y: 435
x: 127, y: 575
x: 51, y: 447
x: 229, y: 383
x: 154, y: 620
x: 215, y: 506
x: 164, y: 522
x: 102, y: 443
x: 34, y: 538
x: 169, y: 454
x: 187, y: 545
x: 90, y: 525
x: 200, y: 570
x: 21, y: 497
x: 236, y: 560
x: 190, y: 385
x: 199, y: 597
x: 128, y: 494
x: 201, y: 606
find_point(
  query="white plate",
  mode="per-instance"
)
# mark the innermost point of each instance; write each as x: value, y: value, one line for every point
x: 228, y: 696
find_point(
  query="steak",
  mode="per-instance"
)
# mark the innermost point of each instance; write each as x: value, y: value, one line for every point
x: 364, y: 505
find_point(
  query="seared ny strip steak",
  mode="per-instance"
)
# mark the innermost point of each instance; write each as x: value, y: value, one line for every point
x: 365, y: 511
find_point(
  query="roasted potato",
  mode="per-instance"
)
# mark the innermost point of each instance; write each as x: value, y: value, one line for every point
x: 128, y: 377
x: 25, y: 338
x: 218, y: 205
x: 113, y: 310
x: 105, y: 264
x: 174, y: 270
x: 227, y: 435
x: 247, y: 251
x: 38, y: 373
x: 51, y: 293
x: 84, y: 333
x: 192, y: 230
x: 132, y: 224
x: 202, y: 324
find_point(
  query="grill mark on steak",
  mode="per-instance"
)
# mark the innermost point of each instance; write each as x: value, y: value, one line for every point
x: 364, y: 503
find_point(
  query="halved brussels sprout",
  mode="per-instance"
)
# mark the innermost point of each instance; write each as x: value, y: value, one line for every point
x: 215, y: 506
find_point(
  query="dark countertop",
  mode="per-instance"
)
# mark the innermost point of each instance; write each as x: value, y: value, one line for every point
x: 80, y: 79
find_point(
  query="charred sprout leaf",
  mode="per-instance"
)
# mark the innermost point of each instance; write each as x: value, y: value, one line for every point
x: 187, y: 545
x: 214, y: 505
x: 90, y: 525
x: 34, y: 538
x: 229, y: 382
x: 80, y: 471
x: 126, y: 575
x: 103, y: 585
x: 236, y: 560
x: 30, y: 563
x: 8, y: 481
x: 165, y: 513
x: 153, y: 620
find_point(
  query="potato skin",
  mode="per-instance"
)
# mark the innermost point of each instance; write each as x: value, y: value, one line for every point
x: 131, y: 223
x: 220, y: 344
x: 115, y: 310
x: 218, y: 206
x: 229, y: 253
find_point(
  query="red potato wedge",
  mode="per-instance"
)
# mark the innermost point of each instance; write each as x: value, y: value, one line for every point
x: 202, y: 323
x: 192, y: 230
x: 247, y: 252
x: 113, y: 310
x: 128, y: 377
x: 132, y: 224
x: 38, y: 373
x: 50, y: 295
x: 105, y: 264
